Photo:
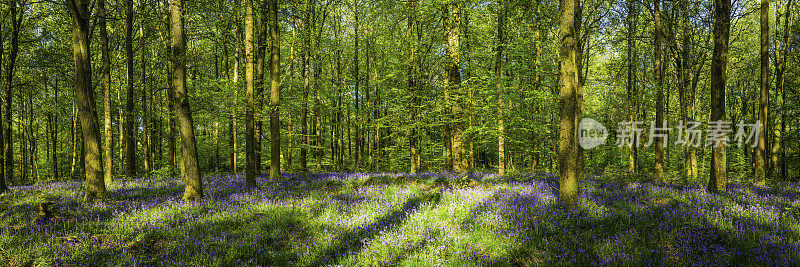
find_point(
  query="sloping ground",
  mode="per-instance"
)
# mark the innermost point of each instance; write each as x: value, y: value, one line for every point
x: 398, y: 219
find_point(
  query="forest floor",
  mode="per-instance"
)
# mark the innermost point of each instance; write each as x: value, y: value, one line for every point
x: 396, y: 219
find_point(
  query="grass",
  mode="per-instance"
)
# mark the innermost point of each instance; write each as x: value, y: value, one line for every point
x: 400, y: 219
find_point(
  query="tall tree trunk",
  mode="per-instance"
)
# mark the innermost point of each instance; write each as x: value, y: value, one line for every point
x: 95, y: 185
x: 194, y: 186
x: 659, y: 148
x: 130, y: 139
x: 781, y: 52
x: 250, y: 154
x: 719, y: 63
x: 568, y: 83
x: 412, y: 73
x: 761, y: 153
x: 274, y: 96
x: 357, y: 77
x: 306, y: 72
x: 453, y: 29
x: 106, y: 84
x: 318, y: 146
x: 53, y: 136
x: 234, y: 111
x: 8, y: 145
x: 631, y: 86
x: 498, y: 74
x: 145, y: 139
x: 260, y: 85
x: 3, y: 182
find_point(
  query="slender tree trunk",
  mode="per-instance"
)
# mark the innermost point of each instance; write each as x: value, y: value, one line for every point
x: 722, y: 16
x: 145, y: 139
x: 498, y: 73
x: 659, y: 75
x: 763, y: 110
x: 8, y: 145
x: 74, y: 134
x: 130, y: 144
x: 357, y: 77
x: 260, y: 85
x: 306, y: 73
x: 234, y: 111
x: 632, y: 94
x: 318, y: 146
x: 194, y: 185
x: 95, y: 185
x: 250, y: 154
x: 412, y: 73
x: 782, y: 44
x: 274, y: 97
x: 3, y: 181
x: 106, y: 84
x: 53, y: 136
x: 568, y: 83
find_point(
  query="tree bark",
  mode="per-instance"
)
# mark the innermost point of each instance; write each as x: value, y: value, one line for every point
x: 659, y: 77
x: 453, y: 66
x: 8, y: 145
x: 130, y: 138
x: 274, y: 97
x: 498, y: 74
x: 106, y: 84
x: 568, y: 83
x: 763, y: 100
x: 722, y: 16
x: 250, y: 154
x: 95, y: 185
x: 190, y: 173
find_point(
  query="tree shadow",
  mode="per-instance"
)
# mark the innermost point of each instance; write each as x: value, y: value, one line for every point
x: 351, y: 241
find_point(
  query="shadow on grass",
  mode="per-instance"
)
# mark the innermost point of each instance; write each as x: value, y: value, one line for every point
x: 675, y: 233
x: 351, y: 241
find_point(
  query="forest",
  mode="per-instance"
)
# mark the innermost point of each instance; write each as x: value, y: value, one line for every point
x: 410, y: 132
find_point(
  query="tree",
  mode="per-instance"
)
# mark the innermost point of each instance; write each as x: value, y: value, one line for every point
x: 190, y: 173
x: 130, y: 122
x: 106, y: 84
x: 659, y: 77
x: 250, y: 153
x: 719, y: 64
x: 568, y: 84
x: 763, y: 99
x: 498, y: 74
x: 8, y: 145
x: 95, y: 185
x: 453, y: 82
x: 274, y: 97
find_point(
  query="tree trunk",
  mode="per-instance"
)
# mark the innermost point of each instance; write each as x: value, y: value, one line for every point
x: 568, y: 83
x: 719, y: 62
x: 95, y: 185
x: 130, y: 144
x: 412, y: 73
x: 145, y: 115
x: 659, y: 77
x: 106, y: 84
x: 274, y: 97
x: 763, y: 100
x: 190, y: 173
x: 8, y: 145
x: 306, y: 73
x: 498, y: 74
x: 250, y: 154
x: 453, y: 69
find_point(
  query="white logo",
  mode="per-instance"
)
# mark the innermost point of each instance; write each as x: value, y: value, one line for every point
x: 591, y: 133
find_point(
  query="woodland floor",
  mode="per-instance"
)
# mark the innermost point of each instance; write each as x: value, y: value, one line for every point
x: 396, y: 219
